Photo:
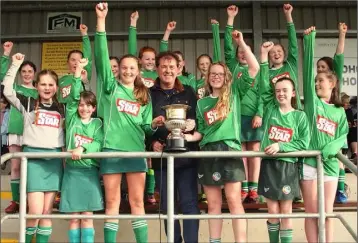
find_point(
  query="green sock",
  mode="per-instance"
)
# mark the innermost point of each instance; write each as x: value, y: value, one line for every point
x: 211, y: 240
x: 30, y: 232
x: 43, y: 234
x: 253, y: 186
x: 286, y: 236
x: 150, y: 181
x: 110, y: 232
x: 341, y: 180
x: 245, y: 186
x: 74, y: 235
x: 140, y: 229
x: 274, y: 232
x: 15, y: 190
x: 87, y: 235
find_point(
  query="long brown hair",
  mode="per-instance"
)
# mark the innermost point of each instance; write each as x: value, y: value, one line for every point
x: 335, y: 98
x: 140, y: 91
x: 54, y: 98
x: 224, y: 103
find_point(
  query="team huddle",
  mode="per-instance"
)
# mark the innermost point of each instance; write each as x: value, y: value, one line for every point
x: 239, y: 104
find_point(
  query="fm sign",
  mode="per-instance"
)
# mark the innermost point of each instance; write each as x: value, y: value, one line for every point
x: 63, y: 22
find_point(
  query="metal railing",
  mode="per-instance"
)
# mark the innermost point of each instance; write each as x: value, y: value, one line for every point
x: 170, y: 216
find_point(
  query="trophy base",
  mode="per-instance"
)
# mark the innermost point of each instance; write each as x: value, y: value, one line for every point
x: 176, y: 145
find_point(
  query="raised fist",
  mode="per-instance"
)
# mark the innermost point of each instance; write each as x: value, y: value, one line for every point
x: 214, y: 21
x: 266, y: 46
x: 309, y: 30
x: 18, y: 58
x: 237, y: 36
x: 171, y: 26
x: 83, y: 29
x: 135, y: 16
x: 7, y: 47
x: 102, y: 10
x: 287, y: 8
x: 232, y: 11
x: 342, y: 27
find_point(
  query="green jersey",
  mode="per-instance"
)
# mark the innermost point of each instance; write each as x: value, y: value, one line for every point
x: 188, y: 80
x: 228, y: 129
x: 148, y: 76
x: 251, y: 104
x: 290, y: 130
x: 66, y: 82
x: 126, y: 121
x: 80, y: 134
x: 5, y: 61
x: 328, y: 123
x: 289, y: 68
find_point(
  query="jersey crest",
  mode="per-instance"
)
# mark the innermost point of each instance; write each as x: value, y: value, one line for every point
x: 200, y: 93
x: 80, y: 140
x: 48, y: 119
x: 281, y: 75
x: 131, y: 108
x: 280, y: 134
x: 327, y: 126
x: 148, y: 82
x: 65, y: 91
x: 211, y: 116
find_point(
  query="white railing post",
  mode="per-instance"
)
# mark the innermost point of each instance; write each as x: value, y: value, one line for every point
x: 321, y: 208
x: 22, y: 211
x: 170, y: 199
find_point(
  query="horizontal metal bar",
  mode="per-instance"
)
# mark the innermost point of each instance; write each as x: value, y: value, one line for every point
x: 193, y: 154
x: 352, y: 167
x: 96, y: 216
x: 247, y: 216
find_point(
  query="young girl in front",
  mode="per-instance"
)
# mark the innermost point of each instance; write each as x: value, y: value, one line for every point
x: 285, y: 130
x: 329, y: 129
x: 43, y: 132
x: 27, y: 73
x: 336, y: 65
x: 127, y: 120
x: 251, y: 111
x: 219, y: 127
x: 84, y: 134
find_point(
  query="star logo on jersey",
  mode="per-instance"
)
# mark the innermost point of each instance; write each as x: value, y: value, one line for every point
x: 148, y: 82
x: 65, y: 91
x: 47, y: 119
x: 281, y: 75
x: 201, y: 92
x: 211, y: 116
x: 129, y: 107
x: 80, y: 140
x: 327, y: 126
x: 280, y: 134
x: 216, y: 176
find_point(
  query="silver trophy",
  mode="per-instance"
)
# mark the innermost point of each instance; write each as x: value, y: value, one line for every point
x: 175, y: 122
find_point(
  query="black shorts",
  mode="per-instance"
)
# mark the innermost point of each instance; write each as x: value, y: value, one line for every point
x: 279, y: 180
x: 218, y: 171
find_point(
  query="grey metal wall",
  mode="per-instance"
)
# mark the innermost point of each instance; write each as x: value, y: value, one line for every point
x: 193, y: 32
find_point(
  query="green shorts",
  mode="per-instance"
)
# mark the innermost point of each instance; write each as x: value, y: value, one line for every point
x: 279, y: 180
x: 43, y: 175
x: 218, y: 171
x: 81, y: 190
x: 122, y: 165
x: 249, y: 134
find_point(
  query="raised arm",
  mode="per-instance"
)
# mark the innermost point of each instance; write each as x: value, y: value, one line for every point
x: 87, y: 53
x: 292, y: 56
x: 253, y: 65
x: 309, y: 91
x: 17, y: 100
x: 103, y: 66
x: 265, y: 88
x: 132, y: 36
x: 216, y: 41
x: 5, y: 60
x: 164, y: 43
x: 229, y: 51
x: 338, y: 60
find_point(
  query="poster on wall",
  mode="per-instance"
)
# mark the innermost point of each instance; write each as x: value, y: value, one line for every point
x: 327, y: 47
x: 60, y: 22
x: 54, y: 55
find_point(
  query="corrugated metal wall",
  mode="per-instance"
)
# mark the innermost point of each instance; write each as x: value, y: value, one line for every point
x: 153, y: 20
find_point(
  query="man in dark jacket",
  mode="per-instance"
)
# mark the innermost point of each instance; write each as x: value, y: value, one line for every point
x: 168, y: 90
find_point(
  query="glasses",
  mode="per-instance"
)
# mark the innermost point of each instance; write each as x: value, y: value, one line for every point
x: 213, y: 75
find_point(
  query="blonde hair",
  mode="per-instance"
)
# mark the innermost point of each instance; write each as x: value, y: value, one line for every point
x: 224, y: 102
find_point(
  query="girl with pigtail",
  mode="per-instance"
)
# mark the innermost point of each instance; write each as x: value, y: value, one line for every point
x: 43, y: 118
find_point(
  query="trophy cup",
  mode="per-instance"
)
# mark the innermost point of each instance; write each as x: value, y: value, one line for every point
x: 175, y: 122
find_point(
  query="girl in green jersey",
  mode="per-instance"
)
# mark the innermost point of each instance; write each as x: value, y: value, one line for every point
x: 127, y: 120
x: 329, y: 129
x: 336, y: 65
x: 183, y: 76
x: 84, y: 135
x: 72, y: 59
x: 251, y: 111
x: 27, y: 75
x: 285, y: 130
x: 219, y: 129
x: 289, y: 67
